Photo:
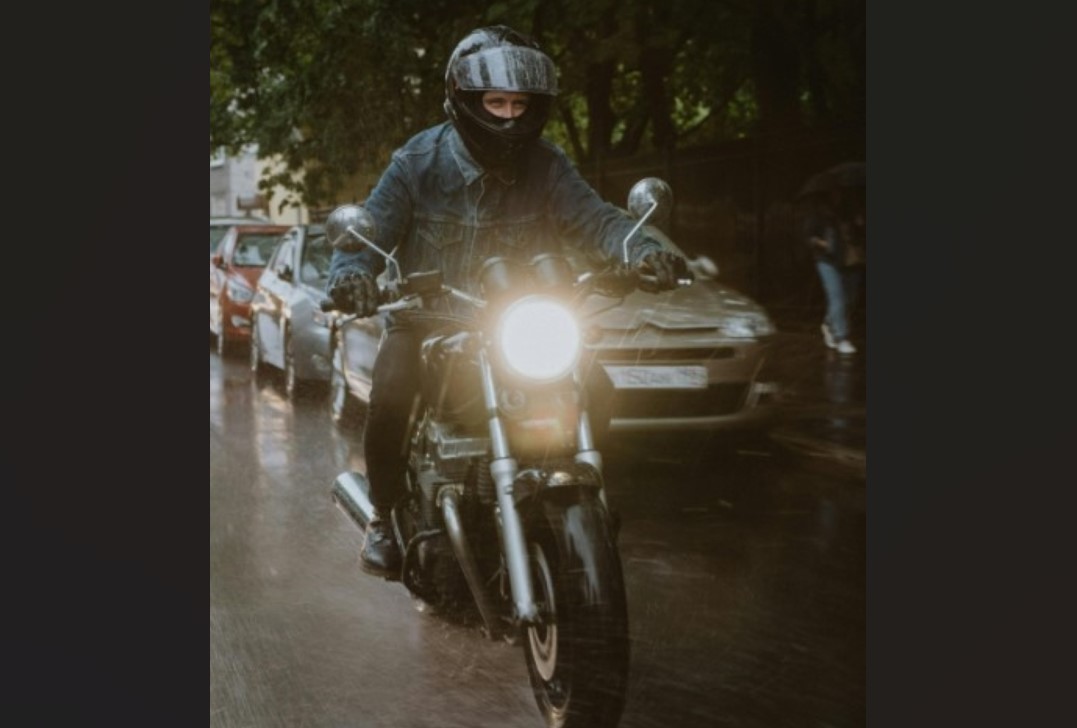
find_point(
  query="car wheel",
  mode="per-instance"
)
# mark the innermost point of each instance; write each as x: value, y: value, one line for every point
x: 258, y: 367
x: 224, y: 344
x: 343, y: 406
x: 291, y: 381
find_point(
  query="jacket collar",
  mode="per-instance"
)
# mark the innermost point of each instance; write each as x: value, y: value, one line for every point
x: 469, y: 168
x: 467, y: 165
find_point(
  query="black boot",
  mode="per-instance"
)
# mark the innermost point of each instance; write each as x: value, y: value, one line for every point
x: 380, y: 555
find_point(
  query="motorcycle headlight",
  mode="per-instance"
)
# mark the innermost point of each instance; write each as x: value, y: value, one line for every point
x: 539, y: 338
x: 239, y: 291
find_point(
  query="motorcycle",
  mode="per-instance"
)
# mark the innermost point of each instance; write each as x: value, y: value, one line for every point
x: 505, y: 510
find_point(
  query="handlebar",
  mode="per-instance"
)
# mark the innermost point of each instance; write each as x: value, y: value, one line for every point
x: 619, y: 282
x: 394, y: 302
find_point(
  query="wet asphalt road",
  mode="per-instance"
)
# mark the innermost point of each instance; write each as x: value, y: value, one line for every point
x: 745, y: 570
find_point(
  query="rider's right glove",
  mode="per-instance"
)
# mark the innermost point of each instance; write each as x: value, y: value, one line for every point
x: 353, y: 290
x: 667, y: 268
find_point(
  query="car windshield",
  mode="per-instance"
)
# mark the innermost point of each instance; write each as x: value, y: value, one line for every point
x: 315, y: 266
x: 216, y: 234
x: 254, y: 249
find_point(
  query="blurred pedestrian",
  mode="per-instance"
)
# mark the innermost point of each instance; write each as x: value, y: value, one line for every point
x: 835, y: 232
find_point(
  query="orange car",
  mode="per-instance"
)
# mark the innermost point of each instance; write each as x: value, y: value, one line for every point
x: 233, y: 276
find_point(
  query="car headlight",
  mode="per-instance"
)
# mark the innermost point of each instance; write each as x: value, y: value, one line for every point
x: 239, y: 291
x: 764, y: 327
x: 539, y: 338
x: 747, y: 327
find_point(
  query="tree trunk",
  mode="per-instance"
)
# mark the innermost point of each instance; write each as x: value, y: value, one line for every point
x: 776, y: 67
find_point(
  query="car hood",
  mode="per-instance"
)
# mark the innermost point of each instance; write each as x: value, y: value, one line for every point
x: 705, y: 305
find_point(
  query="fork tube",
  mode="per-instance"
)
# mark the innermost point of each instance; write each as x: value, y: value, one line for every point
x: 503, y: 470
x: 585, y: 451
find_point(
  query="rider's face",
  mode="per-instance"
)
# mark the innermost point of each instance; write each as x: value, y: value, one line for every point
x: 505, y: 104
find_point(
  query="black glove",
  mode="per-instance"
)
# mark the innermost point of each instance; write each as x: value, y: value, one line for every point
x: 354, y: 291
x: 617, y: 280
x: 666, y: 267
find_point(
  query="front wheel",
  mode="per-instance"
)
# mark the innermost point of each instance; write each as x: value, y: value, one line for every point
x: 577, y: 657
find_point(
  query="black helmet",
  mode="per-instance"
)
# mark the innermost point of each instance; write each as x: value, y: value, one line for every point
x: 498, y: 59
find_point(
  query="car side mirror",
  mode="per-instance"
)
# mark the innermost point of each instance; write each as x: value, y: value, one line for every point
x: 286, y: 274
x: 217, y: 260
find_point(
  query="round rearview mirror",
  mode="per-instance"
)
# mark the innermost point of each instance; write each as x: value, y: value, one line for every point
x: 650, y: 193
x: 347, y: 226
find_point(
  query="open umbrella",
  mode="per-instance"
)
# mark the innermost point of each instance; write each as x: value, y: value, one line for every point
x: 840, y: 176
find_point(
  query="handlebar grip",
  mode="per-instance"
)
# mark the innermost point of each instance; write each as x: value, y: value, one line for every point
x: 649, y: 283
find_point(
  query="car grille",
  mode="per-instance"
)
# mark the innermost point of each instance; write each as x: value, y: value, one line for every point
x: 683, y: 356
x: 718, y: 399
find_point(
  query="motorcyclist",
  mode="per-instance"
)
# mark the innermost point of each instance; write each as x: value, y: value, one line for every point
x: 483, y: 183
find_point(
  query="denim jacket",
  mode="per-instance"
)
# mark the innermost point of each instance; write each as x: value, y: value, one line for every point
x: 439, y: 209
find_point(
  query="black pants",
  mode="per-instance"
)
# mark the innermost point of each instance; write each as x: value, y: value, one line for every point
x: 394, y: 386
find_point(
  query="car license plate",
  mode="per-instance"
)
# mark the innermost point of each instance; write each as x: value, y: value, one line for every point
x: 657, y: 377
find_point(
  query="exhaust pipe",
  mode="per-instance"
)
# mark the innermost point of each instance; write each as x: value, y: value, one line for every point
x: 351, y: 492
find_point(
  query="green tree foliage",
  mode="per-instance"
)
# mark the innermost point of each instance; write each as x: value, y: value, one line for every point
x: 331, y: 87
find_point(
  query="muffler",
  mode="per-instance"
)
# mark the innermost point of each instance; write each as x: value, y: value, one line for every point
x: 351, y: 492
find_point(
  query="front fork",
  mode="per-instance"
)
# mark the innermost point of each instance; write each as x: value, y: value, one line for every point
x: 503, y: 469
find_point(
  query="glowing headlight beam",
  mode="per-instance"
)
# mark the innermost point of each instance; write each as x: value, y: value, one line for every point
x: 539, y: 338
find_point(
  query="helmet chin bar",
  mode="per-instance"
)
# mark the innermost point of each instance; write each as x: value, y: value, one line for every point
x: 493, y: 149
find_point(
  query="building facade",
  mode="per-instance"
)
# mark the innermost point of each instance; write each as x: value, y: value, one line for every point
x: 233, y: 189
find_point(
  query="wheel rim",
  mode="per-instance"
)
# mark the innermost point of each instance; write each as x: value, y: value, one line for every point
x: 255, y: 356
x: 543, y: 637
x: 220, y: 330
x: 289, y: 365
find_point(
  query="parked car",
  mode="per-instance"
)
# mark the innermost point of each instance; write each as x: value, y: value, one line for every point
x: 289, y: 332
x: 233, y: 274
x: 682, y: 360
x: 218, y: 226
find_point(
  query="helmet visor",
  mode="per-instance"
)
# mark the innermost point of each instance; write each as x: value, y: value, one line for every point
x: 511, y: 68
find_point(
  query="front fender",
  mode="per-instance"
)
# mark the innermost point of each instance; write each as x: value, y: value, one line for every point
x: 577, y: 523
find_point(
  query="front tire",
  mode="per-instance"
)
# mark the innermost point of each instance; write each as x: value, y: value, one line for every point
x: 577, y: 658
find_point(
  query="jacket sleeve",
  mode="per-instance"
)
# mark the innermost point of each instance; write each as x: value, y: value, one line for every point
x: 390, y: 204
x: 589, y: 222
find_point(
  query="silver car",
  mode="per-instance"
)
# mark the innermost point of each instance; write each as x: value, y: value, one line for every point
x: 687, y: 359
x: 289, y: 331
x: 682, y: 360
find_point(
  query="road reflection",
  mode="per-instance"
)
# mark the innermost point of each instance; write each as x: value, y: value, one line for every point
x: 745, y: 577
